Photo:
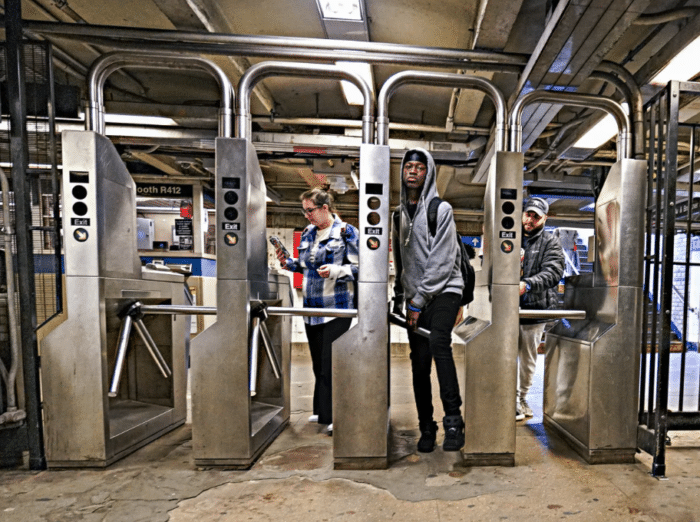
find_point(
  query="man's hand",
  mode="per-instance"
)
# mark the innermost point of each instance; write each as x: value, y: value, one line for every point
x: 412, y: 319
x: 523, y: 287
x: 460, y: 316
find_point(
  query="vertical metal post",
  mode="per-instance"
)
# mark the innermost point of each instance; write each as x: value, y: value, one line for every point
x: 669, y: 209
x: 23, y: 220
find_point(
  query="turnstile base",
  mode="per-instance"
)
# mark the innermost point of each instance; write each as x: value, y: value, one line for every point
x: 267, y: 423
x: 361, y: 463
x: 132, y: 425
x: 489, y: 459
x: 592, y: 456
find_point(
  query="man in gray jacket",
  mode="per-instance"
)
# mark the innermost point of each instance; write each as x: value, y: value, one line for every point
x: 432, y: 282
x: 542, y: 263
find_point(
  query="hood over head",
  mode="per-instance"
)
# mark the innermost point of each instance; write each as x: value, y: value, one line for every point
x: 429, y: 186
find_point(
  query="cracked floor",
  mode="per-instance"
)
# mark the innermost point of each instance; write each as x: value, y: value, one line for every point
x: 294, y: 479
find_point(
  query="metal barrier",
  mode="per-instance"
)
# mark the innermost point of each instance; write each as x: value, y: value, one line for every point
x: 240, y: 401
x: 591, y: 364
x: 90, y: 422
x: 667, y: 399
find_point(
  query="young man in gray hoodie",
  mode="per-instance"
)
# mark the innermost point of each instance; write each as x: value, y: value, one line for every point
x: 431, y: 282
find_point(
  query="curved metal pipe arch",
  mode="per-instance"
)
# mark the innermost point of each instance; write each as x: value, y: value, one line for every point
x: 110, y: 62
x: 264, y: 70
x: 439, y: 80
x: 624, y: 148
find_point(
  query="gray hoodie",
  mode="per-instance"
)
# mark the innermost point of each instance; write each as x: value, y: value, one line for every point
x: 429, y: 265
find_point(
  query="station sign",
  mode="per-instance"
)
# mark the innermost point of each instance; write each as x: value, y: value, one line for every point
x: 473, y: 241
x: 163, y: 190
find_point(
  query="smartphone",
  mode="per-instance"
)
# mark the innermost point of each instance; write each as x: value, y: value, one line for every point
x: 279, y: 246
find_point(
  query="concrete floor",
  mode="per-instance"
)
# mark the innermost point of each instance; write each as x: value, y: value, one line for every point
x: 294, y: 479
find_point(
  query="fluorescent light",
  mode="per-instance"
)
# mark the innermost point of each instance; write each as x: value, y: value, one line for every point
x: 601, y: 132
x: 682, y: 67
x: 353, y: 95
x: 341, y: 9
x: 130, y: 119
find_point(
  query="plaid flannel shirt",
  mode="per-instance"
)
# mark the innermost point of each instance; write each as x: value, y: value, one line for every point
x: 322, y: 292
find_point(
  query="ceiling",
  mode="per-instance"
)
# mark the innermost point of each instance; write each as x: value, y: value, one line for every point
x: 305, y: 132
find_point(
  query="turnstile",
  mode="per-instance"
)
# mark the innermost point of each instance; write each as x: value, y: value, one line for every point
x: 591, y: 388
x: 84, y: 426
x: 491, y: 328
x: 361, y: 355
x: 231, y: 423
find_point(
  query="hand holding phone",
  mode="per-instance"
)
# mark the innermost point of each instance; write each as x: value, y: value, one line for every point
x: 279, y: 247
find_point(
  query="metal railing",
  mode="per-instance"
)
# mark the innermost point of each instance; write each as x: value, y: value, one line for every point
x: 666, y: 401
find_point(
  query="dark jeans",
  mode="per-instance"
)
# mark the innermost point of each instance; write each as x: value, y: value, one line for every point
x: 321, y: 337
x: 438, y: 317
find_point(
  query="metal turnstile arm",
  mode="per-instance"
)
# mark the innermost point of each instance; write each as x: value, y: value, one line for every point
x: 152, y: 348
x: 267, y: 342
x: 400, y: 321
x: 122, y: 346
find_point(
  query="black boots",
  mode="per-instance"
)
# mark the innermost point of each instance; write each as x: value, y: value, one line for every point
x: 454, y: 433
x: 426, y: 443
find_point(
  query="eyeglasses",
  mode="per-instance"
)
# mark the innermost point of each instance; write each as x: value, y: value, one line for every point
x: 307, y: 211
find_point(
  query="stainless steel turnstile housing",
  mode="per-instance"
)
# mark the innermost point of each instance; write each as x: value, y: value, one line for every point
x: 232, y: 425
x: 361, y: 355
x: 592, y: 365
x: 83, y: 426
x: 491, y: 327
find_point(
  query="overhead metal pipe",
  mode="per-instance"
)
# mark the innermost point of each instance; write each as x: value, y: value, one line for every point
x: 666, y: 16
x: 264, y: 70
x: 334, y: 122
x: 624, y: 147
x: 636, y: 104
x: 105, y: 65
x: 439, y: 80
x: 218, y: 43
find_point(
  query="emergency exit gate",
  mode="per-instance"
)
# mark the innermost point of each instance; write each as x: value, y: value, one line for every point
x: 592, y: 364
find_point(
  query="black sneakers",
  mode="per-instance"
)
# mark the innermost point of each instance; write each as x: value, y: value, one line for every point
x: 426, y: 443
x: 454, y: 433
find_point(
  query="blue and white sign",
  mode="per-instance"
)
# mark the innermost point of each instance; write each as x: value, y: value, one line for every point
x: 473, y: 241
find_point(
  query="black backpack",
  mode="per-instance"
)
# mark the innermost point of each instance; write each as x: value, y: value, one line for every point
x: 468, y: 274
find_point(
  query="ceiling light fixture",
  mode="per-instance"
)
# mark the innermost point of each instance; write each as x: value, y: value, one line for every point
x: 353, y: 95
x: 340, y: 9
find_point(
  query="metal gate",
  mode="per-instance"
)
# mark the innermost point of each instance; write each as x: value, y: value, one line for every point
x: 43, y: 200
x: 669, y: 393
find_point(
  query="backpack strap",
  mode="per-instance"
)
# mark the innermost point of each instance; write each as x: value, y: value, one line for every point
x: 432, y: 214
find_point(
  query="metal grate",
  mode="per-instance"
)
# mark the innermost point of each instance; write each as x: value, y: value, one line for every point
x: 43, y: 176
x: 669, y: 395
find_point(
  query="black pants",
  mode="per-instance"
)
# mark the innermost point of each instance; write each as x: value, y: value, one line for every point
x: 321, y: 337
x: 438, y: 317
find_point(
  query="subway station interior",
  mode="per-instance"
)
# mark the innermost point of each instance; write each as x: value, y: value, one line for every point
x: 153, y: 359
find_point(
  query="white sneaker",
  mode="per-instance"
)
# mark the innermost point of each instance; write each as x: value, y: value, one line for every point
x: 519, y: 415
x: 330, y: 429
x: 313, y: 418
x: 525, y: 408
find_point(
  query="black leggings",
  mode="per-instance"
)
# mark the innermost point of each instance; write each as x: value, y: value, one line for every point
x: 438, y: 317
x: 321, y: 337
